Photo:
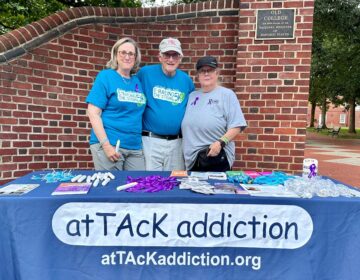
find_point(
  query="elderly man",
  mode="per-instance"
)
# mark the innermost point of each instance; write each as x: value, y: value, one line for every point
x: 166, y: 89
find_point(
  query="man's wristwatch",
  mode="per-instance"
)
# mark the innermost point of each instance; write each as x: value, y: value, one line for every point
x: 222, y: 143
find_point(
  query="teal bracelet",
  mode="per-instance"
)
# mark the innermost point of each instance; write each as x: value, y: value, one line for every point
x: 225, y: 139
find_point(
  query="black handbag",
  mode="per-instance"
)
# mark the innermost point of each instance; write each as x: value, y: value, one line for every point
x: 206, y: 163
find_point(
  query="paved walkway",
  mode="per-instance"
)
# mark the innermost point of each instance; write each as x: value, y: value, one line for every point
x: 338, y: 158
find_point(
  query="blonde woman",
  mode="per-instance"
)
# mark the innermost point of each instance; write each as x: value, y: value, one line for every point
x: 116, y: 104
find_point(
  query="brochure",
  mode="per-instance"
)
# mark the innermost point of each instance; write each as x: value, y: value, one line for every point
x: 266, y: 190
x: 199, y: 175
x: 228, y: 188
x: 209, y: 175
x: 179, y: 173
x: 252, y: 174
x: 234, y: 173
x: 72, y: 188
x: 17, y: 189
x: 217, y: 175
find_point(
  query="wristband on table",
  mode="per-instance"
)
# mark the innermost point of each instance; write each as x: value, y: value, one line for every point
x: 102, y: 142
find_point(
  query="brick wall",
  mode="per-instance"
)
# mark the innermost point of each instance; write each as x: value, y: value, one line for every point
x: 47, y: 69
x: 272, y: 85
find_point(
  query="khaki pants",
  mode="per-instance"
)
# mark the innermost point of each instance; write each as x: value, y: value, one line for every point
x: 129, y: 159
x: 162, y: 154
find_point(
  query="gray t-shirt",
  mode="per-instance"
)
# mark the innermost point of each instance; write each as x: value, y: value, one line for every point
x: 207, y: 118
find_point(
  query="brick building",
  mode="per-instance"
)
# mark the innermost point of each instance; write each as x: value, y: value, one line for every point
x: 336, y: 116
x: 48, y: 67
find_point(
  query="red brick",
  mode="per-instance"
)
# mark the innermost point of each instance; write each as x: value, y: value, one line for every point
x: 22, y: 129
x: 285, y: 131
x: 7, y: 152
x: 295, y: 4
x: 8, y: 121
x: 8, y: 167
x: 256, y: 6
x: 306, y: 11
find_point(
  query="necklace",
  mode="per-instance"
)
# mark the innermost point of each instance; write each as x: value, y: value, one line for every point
x: 126, y: 81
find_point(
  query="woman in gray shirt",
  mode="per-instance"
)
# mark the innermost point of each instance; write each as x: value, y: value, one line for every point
x: 212, y: 120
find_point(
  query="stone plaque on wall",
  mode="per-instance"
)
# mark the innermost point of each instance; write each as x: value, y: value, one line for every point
x: 275, y: 24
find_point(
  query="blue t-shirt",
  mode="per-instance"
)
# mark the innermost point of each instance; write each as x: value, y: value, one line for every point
x: 166, y: 99
x: 123, y: 103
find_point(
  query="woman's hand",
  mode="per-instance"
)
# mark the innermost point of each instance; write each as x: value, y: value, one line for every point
x: 214, y: 149
x: 110, y: 152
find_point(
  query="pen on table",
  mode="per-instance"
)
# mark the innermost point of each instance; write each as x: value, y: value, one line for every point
x: 126, y: 186
x: 117, y: 146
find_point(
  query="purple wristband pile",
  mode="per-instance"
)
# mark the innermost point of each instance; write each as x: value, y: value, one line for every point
x: 152, y: 184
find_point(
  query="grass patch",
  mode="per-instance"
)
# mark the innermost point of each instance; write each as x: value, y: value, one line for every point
x: 344, y: 133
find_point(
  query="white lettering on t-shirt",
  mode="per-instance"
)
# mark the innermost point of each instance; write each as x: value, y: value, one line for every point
x: 131, y: 96
x: 167, y: 94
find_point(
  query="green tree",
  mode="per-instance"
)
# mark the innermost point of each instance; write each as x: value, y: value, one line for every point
x: 319, y: 84
x: 17, y: 13
x: 335, y: 65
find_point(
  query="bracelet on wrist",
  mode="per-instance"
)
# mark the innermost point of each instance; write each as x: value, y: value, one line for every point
x: 222, y: 143
x: 225, y: 139
x: 102, y: 142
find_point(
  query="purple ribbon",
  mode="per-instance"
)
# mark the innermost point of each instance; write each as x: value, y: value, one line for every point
x: 194, y: 102
x: 137, y: 88
x: 312, y: 168
x: 152, y: 184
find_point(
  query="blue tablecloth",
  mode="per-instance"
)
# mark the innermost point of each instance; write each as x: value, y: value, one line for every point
x: 176, y: 234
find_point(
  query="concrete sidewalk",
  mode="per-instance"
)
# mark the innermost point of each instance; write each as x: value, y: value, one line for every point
x: 338, y: 158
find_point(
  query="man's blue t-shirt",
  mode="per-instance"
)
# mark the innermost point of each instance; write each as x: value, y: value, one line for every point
x: 122, y: 102
x: 166, y: 99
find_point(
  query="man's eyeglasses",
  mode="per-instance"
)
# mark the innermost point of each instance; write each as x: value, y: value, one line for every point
x: 204, y: 71
x: 167, y: 56
x: 125, y: 53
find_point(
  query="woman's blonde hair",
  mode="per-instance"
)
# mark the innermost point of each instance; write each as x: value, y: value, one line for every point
x: 113, y: 64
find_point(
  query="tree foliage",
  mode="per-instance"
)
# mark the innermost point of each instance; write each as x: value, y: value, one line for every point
x: 17, y: 13
x: 335, y: 74
x: 14, y: 14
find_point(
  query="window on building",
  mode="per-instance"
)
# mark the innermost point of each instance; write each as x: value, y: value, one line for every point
x: 342, y: 118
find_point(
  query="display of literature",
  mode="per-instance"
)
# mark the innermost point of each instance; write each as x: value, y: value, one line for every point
x: 17, y: 189
x: 254, y: 183
x: 72, y: 188
x: 266, y: 190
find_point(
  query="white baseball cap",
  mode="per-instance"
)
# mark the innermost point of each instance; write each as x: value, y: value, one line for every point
x: 170, y: 44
